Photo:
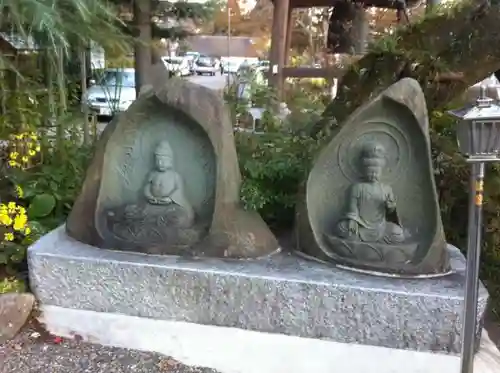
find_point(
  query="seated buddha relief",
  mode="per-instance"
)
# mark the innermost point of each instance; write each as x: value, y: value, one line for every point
x: 163, y: 213
x: 369, y: 226
x: 370, y: 201
x: 165, y: 180
x: 371, y: 214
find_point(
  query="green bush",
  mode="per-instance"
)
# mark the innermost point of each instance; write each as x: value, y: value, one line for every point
x: 43, y: 164
x: 273, y: 164
x: 50, y: 187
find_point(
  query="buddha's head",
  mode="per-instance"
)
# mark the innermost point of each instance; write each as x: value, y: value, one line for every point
x: 163, y: 156
x: 372, y: 160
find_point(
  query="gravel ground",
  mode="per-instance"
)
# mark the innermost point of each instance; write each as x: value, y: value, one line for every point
x: 35, y: 351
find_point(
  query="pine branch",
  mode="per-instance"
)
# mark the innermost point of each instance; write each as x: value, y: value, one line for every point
x: 447, y: 52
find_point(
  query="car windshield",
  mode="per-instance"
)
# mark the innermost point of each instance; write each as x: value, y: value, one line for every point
x: 118, y: 78
x: 204, y: 61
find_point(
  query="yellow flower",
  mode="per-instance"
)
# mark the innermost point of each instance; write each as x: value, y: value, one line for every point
x: 33, y: 136
x: 11, y: 207
x: 37, y: 149
x: 8, y: 236
x: 18, y: 137
x: 20, y: 222
x: 5, y: 219
x: 31, y: 152
x: 25, y: 159
x: 21, y: 210
x: 14, y: 155
x: 27, y: 231
x: 13, y: 164
x: 19, y: 191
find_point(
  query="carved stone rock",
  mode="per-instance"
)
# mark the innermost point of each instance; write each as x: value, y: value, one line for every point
x: 165, y: 180
x: 370, y: 199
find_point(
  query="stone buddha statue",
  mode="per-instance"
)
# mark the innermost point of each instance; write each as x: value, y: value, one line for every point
x: 165, y: 187
x: 163, y: 214
x: 369, y: 226
x: 371, y: 203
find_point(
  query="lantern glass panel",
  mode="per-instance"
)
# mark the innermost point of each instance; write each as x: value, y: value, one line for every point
x: 479, y: 137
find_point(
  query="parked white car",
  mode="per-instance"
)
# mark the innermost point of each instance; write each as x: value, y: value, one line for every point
x: 230, y: 66
x: 112, y: 92
x: 191, y: 57
x: 177, y: 66
x: 205, y: 65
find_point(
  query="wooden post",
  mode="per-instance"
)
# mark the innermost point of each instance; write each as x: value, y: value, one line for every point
x: 83, y: 82
x: 142, y: 45
x: 62, y: 103
x: 278, y: 45
x: 360, y: 31
x: 289, y: 29
x: 274, y: 43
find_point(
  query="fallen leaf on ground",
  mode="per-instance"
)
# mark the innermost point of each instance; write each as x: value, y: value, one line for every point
x: 57, y: 340
x: 167, y: 364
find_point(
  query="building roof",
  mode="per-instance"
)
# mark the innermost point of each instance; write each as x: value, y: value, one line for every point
x: 218, y: 45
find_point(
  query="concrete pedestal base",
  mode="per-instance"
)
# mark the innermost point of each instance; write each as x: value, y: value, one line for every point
x: 282, y: 295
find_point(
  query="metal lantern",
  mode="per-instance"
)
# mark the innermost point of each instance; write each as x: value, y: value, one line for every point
x: 478, y: 129
x: 478, y: 135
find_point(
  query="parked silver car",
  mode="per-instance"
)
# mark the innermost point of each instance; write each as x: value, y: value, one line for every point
x: 112, y: 92
x: 205, y: 65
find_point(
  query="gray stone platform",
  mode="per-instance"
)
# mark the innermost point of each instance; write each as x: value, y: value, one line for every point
x: 285, y: 294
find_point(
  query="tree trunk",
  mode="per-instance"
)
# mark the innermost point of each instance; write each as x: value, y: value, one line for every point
x: 142, y: 47
x: 445, y: 52
x: 156, y: 54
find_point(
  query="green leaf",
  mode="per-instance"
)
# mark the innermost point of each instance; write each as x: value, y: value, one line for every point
x: 37, y: 227
x: 42, y: 205
x: 3, y: 258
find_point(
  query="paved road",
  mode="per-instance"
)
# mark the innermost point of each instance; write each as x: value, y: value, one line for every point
x: 214, y: 82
